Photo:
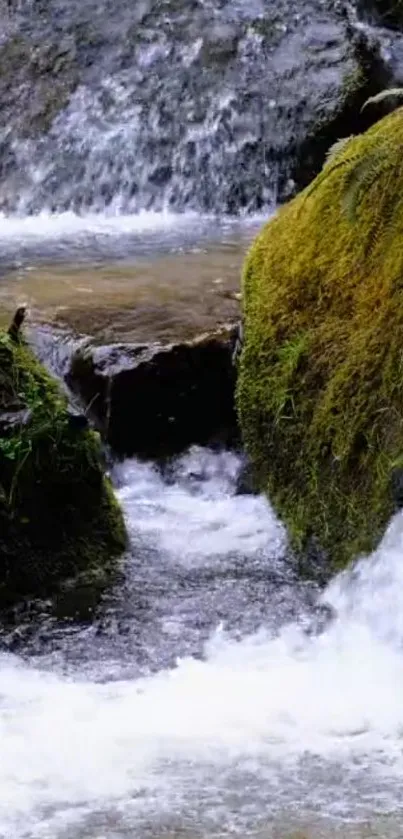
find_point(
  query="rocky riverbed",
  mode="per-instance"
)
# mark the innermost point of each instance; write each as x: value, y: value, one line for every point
x: 218, y: 692
x: 146, y: 344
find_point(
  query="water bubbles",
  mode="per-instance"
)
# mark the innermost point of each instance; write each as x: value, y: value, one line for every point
x: 277, y: 719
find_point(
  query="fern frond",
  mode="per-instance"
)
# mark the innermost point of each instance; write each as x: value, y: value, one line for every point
x: 384, y: 212
x: 361, y: 178
x: 356, y: 181
x: 325, y: 173
x: 336, y: 148
x: 389, y: 93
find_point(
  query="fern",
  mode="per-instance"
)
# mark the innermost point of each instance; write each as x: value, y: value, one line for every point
x: 336, y: 148
x: 389, y: 93
x: 326, y: 172
x: 375, y: 171
x: 384, y: 212
x: 361, y: 178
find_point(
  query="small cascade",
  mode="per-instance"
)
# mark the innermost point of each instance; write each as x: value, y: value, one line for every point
x: 162, y: 105
x: 214, y: 688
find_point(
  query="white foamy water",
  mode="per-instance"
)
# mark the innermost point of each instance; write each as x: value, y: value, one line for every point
x: 274, y: 721
x: 76, y: 238
x: 196, y: 514
x: 64, y: 225
x: 47, y: 226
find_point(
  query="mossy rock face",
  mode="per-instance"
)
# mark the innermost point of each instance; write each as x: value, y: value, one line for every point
x: 320, y: 389
x: 58, y: 514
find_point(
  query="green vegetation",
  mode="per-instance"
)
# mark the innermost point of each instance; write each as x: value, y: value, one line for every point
x: 58, y: 514
x: 320, y: 390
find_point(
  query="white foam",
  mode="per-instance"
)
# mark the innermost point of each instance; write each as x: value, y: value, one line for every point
x: 198, y: 515
x: 264, y: 703
x: 69, y: 224
x: 75, y: 237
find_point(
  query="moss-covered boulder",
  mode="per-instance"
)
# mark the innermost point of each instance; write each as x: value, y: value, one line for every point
x: 58, y: 515
x: 320, y: 390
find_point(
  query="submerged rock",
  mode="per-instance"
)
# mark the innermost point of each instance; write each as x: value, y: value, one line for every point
x: 58, y: 515
x: 320, y: 391
x: 156, y: 399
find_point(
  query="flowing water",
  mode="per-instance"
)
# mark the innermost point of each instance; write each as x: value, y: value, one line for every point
x: 179, y: 104
x: 215, y: 693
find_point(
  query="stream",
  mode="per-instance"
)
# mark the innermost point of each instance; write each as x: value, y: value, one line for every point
x: 214, y: 693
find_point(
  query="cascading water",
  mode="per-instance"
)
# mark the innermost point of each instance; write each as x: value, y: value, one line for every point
x: 216, y: 693
x: 171, y: 104
x: 211, y: 697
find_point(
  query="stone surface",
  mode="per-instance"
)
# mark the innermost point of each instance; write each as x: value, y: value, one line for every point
x: 155, y: 399
x: 320, y: 390
x: 198, y: 105
x: 385, y: 12
x: 58, y: 515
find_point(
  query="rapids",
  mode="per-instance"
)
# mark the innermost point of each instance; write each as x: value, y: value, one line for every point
x: 216, y: 693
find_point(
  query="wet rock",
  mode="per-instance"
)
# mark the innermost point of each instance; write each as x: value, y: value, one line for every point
x: 387, y: 40
x: 220, y: 43
x: 58, y: 514
x: 323, y: 616
x: 246, y: 483
x: 217, y: 100
x: 397, y: 487
x: 12, y: 421
x: 157, y: 399
x: 384, y: 12
x: 14, y: 329
x: 77, y: 421
x: 373, y: 72
x: 36, y: 80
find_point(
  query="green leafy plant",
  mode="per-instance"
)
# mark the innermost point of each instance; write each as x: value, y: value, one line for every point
x: 362, y: 172
x: 383, y: 96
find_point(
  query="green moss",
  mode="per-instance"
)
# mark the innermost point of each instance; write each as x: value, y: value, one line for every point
x: 58, y: 514
x: 320, y: 390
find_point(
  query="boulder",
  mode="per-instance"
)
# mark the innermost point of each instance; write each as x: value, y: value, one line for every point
x: 320, y: 389
x: 373, y: 72
x: 156, y: 399
x: 151, y: 356
x: 58, y: 515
